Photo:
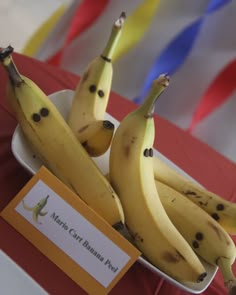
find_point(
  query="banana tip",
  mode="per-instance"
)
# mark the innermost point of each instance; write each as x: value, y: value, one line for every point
x: 108, y: 125
x: 123, y: 15
x: 120, y: 21
x: 5, y: 52
x: 164, y: 80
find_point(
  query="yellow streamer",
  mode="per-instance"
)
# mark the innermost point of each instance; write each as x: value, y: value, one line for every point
x: 136, y: 26
x: 36, y: 40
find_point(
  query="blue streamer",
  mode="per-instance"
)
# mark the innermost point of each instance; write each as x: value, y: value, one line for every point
x: 174, y: 54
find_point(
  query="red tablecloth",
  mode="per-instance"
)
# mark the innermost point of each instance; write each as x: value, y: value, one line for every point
x: 197, y: 159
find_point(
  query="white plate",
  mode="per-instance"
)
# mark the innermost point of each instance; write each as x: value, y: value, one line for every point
x: 14, y: 280
x: 27, y: 159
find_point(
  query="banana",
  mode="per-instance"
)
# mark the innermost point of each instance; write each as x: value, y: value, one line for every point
x: 131, y: 175
x: 37, y: 210
x: 207, y: 237
x: 223, y: 211
x: 96, y: 137
x: 55, y: 143
x: 92, y: 92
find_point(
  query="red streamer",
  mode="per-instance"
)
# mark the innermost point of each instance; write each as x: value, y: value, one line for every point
x: 85, y: 15
x: 216, y: 94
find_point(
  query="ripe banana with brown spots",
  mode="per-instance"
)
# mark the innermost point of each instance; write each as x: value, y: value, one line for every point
x: 92, y: 93
x: 131, y: 175
x: 207, y: 237
x: 223, y: 211
x: 56, y: 145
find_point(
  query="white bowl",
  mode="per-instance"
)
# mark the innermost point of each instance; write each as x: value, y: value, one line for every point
x: 27, y: 159
x: 14, y: 280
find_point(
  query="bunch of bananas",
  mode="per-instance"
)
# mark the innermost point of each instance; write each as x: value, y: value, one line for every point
x: 171, y: 220
x: 66, y: 147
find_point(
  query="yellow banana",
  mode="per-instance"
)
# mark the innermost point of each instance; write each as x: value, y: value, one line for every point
x: 96, y: 137
x: 207, y: 238
x: 55, y: 143
x: 223, y: 211
x: 93, y: 90
x: 131, y: 175
x: 37, y: 210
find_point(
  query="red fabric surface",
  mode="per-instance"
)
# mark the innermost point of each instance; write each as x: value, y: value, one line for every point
x: 220, y: 89
x: 196, y: 158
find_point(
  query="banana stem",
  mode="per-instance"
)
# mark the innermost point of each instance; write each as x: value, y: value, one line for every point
x: 10, y: 67
x: 114, y: 38
x: 228, y: 276
x: 158, y: 86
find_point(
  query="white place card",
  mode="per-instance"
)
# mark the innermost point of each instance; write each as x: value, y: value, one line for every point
x: 71, y: 234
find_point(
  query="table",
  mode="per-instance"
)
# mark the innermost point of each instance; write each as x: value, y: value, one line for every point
x: 197, y: 159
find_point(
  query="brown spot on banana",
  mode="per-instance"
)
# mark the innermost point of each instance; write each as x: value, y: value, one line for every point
x: 171, y: 257
x: 191, y: 193
x: 133, y: 139
x: 83, y: 128
x: 199, y: 236
x: 44, y: 112
x: 202, y: 276
x: 85, y: 76
x: 201, y: 202
x: 205, y: 204
x: 220, y: 207
x: 148, y: 152
x: 136, y: 237
x: 216, y: 230
x: 36, y: 117
x: 101, y: 93
x: 127, y: 150
x: 215, y: 216
x: 92, y: 88
x: 195, y: 244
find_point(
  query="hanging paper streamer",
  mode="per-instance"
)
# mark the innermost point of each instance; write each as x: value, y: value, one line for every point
x: 136, y: 26
x: 175, y: 53
x: 216, y: 94
x: 85, y: 15
x: 35, y: 41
